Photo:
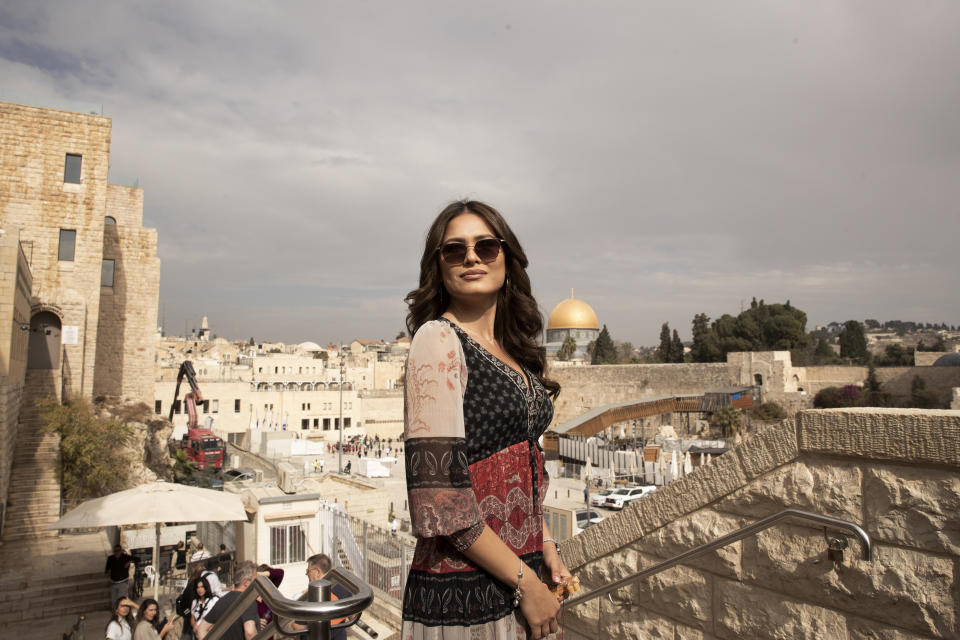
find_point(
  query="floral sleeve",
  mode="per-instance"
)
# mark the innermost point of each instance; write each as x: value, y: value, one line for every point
x: 442, y: 502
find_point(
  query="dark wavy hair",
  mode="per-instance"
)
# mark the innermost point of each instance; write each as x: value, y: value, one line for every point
x: 518, y: 323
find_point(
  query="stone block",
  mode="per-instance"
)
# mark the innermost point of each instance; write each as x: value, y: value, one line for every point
x: 913, y: 507
x: 744, y: 611
x: 905, y: 435
x: 827, y: 487
x: 630, y: 621
x: 902, y: 587
x: 680, y: 592
x: 860, y: 629
x: 693, y: 530
x: 768, y: 449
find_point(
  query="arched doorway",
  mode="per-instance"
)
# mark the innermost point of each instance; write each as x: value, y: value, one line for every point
x: 44, y: 349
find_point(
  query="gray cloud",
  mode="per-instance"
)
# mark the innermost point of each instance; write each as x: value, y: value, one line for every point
x: 662, y: 159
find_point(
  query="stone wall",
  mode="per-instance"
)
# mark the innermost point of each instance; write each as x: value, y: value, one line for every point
x: 16, y: 282
x: 587, y: 387
x: 955, y: 404
x: 893, y: 471
x: 128, y: 309
x: 35, y: 199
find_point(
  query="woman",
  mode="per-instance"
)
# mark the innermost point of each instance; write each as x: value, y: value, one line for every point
x: 148, y: 623
x: 276, y: 577
x: 202, y: 602
x: 476, y: 402
x: 121, y: 622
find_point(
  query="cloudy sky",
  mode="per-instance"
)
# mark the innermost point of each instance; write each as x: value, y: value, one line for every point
x: 663, y: 158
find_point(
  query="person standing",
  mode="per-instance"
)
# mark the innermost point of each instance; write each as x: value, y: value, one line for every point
x: 200, y: 553
x: 318, y: 566
x: 246, y: 627
x: 120, y: 626
x: 118, y: 568
x: 202, y: 604
x: 149, y: 625
x: 476, y: 394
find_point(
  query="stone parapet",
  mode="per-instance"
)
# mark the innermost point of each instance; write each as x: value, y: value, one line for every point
x: 892, y: 471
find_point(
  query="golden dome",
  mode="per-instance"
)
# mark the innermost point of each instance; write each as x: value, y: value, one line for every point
x: 572, y: 314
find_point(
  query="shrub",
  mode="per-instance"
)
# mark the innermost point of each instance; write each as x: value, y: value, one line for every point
x: 837, y: 397
x: 768, y: 411
x: 92, y: 459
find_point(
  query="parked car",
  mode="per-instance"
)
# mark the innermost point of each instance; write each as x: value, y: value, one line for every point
x: 599, y: 499
x: 233, y: 475
x: 586, y: 518
x: 622, y: 497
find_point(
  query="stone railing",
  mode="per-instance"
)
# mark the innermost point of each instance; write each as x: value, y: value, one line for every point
x: 893, y: 471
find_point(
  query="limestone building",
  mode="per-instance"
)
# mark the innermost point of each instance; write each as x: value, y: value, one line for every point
x: 575, y: 319
x: 81, y: 282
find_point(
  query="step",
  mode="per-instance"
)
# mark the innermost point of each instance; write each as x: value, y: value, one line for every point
x: 85, y: 605
x: 67, y: 588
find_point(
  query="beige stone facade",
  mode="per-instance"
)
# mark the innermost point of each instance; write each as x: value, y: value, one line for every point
x: 40, y: 199
x: 63, y: 225
x: 16, y: 282
x: 895, y: 472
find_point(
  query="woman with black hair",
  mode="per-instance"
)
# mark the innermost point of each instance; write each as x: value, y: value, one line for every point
x: 149, y: 625
x: 476, y: 402
x: 202, y: 603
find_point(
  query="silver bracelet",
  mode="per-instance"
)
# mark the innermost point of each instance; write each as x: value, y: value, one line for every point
x: 555, y: 543
x: 517, y: 594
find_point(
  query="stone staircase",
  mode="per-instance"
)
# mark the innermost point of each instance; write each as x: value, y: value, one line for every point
x: 24, y: 599
x: 34, y: 497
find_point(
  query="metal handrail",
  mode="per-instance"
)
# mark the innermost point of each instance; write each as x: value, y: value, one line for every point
x: 317, y: 611
x: 723, y: 541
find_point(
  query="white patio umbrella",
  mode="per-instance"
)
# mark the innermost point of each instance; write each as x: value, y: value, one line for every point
x: 154, y: 503
x: 687, y: 463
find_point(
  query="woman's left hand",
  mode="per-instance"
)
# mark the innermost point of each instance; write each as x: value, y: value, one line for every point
x: 557, y: 571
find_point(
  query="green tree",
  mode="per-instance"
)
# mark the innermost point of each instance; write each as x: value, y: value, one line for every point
x: 726, y: 420
x: 706, y: 346
x: 401, y: 334
x: 676, y: 348
x: 663, y: 351
x: 625, y: 352
x: 92, y: 461
x: 604, y: 352
x: 853, y: 342
x: 823, y: 354
x: 567, y: 349
x: 252, y: 341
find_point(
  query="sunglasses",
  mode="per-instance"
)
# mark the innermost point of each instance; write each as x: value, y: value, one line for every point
x: 486, y: 250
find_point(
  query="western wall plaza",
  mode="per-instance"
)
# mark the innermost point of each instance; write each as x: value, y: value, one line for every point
x: 81, y: 323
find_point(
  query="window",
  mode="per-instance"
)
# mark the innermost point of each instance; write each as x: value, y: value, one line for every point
x: 316, y: 422
x: 206, y: 406
x: 106, y: 273
x: 156, y: 407
x: 305, y: 423
x: 236, y: 405
x: 346, y: 423
x: 326, y: 424
x: 214, y: 406
x: 109, y: 221
x: 176, y: 406
x: 68, y: 245
x: 260, y: 370
x: 71, y: 168
x: 288, y: 544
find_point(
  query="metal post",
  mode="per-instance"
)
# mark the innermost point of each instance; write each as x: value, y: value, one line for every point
x: 403, y: 567
x: 319, y: 591
x: 363, y: 561
x: 340, y: 450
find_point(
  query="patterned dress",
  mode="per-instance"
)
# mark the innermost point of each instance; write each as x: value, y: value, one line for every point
x: 471, y: 428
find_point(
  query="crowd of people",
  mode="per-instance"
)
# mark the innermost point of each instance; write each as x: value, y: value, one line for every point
x: 204, y: 599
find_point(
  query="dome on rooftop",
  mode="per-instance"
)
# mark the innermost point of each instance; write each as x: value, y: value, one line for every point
x: 948, y: 360
x: 309, y: 346
x: 573, y: 314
